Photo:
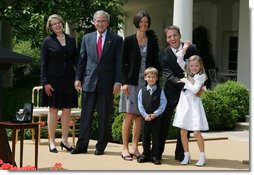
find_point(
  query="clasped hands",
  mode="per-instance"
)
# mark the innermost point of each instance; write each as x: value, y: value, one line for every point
x: 150, y: 117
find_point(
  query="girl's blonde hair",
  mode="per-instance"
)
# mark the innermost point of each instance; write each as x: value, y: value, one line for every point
x: 49, y: 25
x: 199, y: 60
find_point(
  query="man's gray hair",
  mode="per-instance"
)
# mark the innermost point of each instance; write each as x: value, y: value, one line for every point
x: 101, y: 13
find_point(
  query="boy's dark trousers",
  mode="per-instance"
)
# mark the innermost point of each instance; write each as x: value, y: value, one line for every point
x: 151, y: 129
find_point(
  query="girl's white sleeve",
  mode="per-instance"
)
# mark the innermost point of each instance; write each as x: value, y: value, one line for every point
x: 199, y: 81
x: 180, y: 55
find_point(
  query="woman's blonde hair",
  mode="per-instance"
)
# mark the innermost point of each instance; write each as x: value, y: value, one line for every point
x: 48, y: 25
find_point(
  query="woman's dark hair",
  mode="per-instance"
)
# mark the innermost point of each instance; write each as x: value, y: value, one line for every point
x: 138, y: 18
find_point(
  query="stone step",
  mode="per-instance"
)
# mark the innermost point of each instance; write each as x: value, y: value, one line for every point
x: 240, y: 126
x: 247, y: 118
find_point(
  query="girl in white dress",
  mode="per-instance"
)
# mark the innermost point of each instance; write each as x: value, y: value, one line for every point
x: 190, y: 114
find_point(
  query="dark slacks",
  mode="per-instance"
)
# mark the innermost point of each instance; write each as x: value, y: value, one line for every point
x: 166, y: 119
x: 103, y: 102
x: 150, y: 129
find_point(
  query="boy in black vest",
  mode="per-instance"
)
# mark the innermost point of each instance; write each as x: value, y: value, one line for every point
x: 151, y: 104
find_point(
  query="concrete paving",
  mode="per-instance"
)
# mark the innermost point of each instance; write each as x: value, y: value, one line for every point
x: 225, y: 151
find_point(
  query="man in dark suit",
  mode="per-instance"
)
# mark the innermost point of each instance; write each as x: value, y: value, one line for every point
x: 98, y: 69
x: 173, y: 71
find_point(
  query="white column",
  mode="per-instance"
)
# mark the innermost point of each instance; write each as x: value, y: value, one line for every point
x: 243, y: 67
x: 183, y: 17
x: 251, y: 11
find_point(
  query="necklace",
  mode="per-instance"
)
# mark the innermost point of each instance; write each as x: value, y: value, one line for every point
x: 61, y: 38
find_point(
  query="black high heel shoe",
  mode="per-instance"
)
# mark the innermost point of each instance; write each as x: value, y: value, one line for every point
x: 63, y: 145
x: 54, y: 150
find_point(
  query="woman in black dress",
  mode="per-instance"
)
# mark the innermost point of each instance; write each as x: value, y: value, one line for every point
x: 58, y: 57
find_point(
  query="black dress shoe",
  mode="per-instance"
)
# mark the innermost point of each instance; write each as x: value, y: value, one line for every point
x: 78, y: 151
x: 64, y: 146
x: 143, y: 159
x: 156, y: 161
x: 97, y: 152
x: 54, y: 150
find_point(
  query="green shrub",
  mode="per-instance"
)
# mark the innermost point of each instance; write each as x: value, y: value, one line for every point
x: 237, y: 97
x: 219, y: 114
x: 94, y: 128
x: 14, y: 99
x: 117, y: 128
x: 27, y: 81
x: 173, y: 131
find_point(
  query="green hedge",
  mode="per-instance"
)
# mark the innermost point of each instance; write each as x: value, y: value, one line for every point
x: 117, y: 128
x: 237, y: 96
x: 14, y: 99
x: 219, y: 115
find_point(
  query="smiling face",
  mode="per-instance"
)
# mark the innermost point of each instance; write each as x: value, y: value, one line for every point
x: 151, y: 79
x: 173, y: 38
x: 143, y: 24
x: 101, y: 23
x: 194, y: 66
x: 56, y: 25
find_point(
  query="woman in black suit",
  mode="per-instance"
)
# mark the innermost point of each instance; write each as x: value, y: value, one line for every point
x: 58, y: 57
x: 139, y: 51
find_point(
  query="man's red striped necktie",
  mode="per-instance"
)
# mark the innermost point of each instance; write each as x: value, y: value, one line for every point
x: 99, y: 46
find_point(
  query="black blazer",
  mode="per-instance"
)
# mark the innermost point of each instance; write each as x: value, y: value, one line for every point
x: 131, y: 59
x: 56, y: 60
x: 173, y: 72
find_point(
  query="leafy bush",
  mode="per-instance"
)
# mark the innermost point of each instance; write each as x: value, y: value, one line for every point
x: 219, y: 115
x: 237, y: 97
x: 173, y: 131
x: 117, y: 128
x: 14, y: 99
x: 26, y: 75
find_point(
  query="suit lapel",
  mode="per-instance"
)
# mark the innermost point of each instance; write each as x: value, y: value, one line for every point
x: 107, y: 43
x: 171, y: 54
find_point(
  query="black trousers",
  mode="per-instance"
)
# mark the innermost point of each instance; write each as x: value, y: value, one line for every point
x: 166, y: 119
x: 150, y: 129
x: 104, y: 104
